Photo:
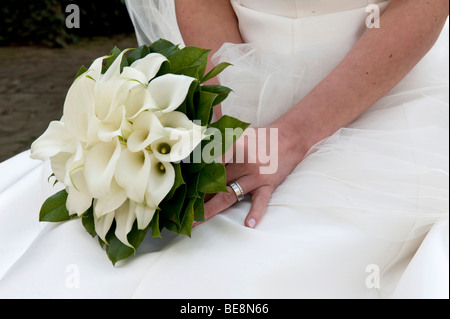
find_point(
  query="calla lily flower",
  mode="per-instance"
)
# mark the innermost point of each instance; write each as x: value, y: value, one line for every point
x: 103, y: 224
x: 125, y: 217
x: 169, y: 91
x: 133, y: 173
x: 161, y: 180
x: 78, y: 200
x: 100, y: 165
x: 64, y: 150
x: 146, y: 129
x: 182, y: 136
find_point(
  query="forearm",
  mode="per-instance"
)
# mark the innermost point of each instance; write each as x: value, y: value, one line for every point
x: 377, y: 63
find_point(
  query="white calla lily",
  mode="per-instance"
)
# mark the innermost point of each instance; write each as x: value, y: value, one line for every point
x: 79, y: 107
x: 146, y: 129
x: 110, y: 95
x: 169, y: 91
x: 112, y: 125
x: 132, y: 74
x: 95, y: 70
x: 99, y: 167
x: 125, y: 217
x: 161, y: 180
x: 149, y: 65
x: 63, y: 149
x: 78, y: 199
x: 103, y: 225
x: 114, y: 69
x: 138, y: 101
x: 144, y: 215
x: 111, y: 201
x: 133, y: 172
x: 56, y: 139
x: 183, y: 136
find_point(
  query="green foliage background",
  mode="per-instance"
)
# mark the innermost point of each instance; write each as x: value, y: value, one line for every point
x: 43, y: 22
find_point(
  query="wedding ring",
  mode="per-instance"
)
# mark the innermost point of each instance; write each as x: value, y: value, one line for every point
x: 238, y: 191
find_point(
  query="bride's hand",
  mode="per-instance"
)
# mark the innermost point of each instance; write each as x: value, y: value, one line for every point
x: 259, y: 162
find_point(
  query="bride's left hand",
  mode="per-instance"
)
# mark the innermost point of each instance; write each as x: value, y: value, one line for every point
x: 270, y: 155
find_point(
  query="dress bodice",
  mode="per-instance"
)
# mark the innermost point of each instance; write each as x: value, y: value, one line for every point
x: 288, y: 26
x: 304, y: 8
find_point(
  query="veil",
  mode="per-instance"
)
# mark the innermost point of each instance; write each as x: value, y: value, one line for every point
x: 154, y: 19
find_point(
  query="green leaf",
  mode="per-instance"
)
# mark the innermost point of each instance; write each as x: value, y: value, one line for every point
x: 87, y: 219
x: 138, y: 53
x: 54, y: 209
x: 195, y: 162
x: 216, y: 71
x: 204, y: 105
x: 199, y: 209
x: 81, y: 71
x: 212, y: 179
x: 188, y: 106
x: 189, y: 56
x: 170, y: 225
x: 154, y: 225
x: 221, y: 91
x: 117, y: 251
x: 172, y: 209
x: 192, y: 185
x: 192, y: 70
x: 164, y: 47
x: 227, y: 125
x: 115, y: 52
x: 188, y: 219
x: 178, y: 180
x: 113, y: 56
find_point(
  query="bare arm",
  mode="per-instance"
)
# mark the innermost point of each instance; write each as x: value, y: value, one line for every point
x: 208, y: 24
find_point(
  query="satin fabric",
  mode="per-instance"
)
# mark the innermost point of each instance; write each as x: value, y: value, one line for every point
x: 305, y: 8
x: 364, y: 216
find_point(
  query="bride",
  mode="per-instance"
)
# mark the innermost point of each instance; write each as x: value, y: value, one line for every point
x: 358, y: 208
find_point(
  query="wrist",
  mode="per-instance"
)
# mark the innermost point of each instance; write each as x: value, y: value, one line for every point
x: 291, y: 139
x: 303, y: 127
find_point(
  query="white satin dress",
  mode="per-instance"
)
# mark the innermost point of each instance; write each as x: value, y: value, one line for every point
x: 365, y: 215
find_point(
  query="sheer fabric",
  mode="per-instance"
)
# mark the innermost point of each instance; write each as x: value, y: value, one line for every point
x: 154, y: 19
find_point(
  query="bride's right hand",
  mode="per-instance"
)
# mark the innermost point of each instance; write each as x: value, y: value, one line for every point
x: 259, y: 162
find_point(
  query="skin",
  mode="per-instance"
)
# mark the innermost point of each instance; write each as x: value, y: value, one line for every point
x: 409, y: 29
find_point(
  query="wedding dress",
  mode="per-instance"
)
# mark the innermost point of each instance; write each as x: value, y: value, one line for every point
x: 370, y: 200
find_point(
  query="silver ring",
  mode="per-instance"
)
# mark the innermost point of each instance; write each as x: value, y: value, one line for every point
x: 238, y: 191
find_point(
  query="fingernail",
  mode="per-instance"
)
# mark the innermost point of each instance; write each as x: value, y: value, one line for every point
x: 251, y: 223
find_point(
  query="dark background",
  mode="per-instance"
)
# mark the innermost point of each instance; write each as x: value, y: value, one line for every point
x: 40, y: 56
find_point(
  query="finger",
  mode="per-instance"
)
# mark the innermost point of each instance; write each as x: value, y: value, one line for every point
x: 260, y: 200
x: 222, y: 201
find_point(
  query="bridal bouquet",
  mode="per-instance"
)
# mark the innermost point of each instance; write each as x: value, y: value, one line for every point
x: 135, y: 149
